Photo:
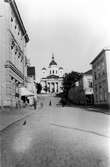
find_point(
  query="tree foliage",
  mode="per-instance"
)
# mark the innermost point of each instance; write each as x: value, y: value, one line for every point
x: 46, y: 88
x: 38, y: 87
x: 69, y: 81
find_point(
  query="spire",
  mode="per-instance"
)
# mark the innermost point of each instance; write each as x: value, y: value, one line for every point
x: 52, y: 61
x: 52, y: 56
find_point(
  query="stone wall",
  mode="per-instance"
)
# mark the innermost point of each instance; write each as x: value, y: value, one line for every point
x: 77, y: 96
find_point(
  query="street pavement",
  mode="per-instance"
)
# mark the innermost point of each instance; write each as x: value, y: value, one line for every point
x: 57, y: 137
x: 10, y: 115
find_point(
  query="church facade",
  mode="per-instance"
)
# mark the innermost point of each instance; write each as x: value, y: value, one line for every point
x: 52, y: 77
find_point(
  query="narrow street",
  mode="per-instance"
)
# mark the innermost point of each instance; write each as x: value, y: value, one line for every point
x: 57, y: 136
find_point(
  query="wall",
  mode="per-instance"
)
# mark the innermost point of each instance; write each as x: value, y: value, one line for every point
x: 108, y: 68
x: 87, y: 81
x: 4, y: 50
x: 82, y: 93
x: 10, y: 57
x: 100, y: 80
x: 76, y: 95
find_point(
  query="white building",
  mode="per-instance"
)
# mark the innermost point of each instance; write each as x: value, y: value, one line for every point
x: 13, y: 61
x: 52, y: 77
x: 87, y: 80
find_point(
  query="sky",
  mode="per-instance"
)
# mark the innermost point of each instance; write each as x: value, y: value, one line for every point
x: 74, y: 30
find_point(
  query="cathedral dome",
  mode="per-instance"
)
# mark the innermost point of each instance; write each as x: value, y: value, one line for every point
x: 60, y: 68
x: 43, y: 68
x: 52, y: 61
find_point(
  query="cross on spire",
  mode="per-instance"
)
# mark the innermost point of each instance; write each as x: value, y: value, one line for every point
x: 52, y: 56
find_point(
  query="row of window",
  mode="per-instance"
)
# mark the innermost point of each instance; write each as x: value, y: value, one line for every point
x: 16, y: 27
x: 12, y: 89
x: 53, y: 83
x: 99, y: 71
x: 99, y: 62
x: 16, y: 50
x: 90, y: 84
x: 98, y: 75
x: 17, y: 32
x: 100, y: 85
x: 53, y: 72
x: 79, y: 83
x: 100, y: 92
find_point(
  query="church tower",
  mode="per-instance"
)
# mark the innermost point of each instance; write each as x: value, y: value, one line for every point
x: 53, y: 67
x: 44, y: 72
x: 60, y: 71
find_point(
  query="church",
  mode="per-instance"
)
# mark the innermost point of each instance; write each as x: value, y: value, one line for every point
x: 52, y: 77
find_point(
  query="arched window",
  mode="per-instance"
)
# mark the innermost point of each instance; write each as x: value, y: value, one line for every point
x: 53, y: 71
x: 50, y: 71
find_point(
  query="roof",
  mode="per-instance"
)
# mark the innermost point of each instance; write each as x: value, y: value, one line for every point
x: 52, y: 61
x: 17, y: 14
x: 52, y: 76
x: 102, y: 51
x: 60, y: 68
x: 88, y: 72
x: 43, y: 68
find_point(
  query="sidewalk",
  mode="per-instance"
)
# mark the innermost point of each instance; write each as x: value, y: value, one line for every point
x: 8, y: 116
x: 100, y: 110
x: 90, y: 108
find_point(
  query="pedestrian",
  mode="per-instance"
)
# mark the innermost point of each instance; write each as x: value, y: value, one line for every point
x: 35, y: 102
x: 63, y: 101
x: 19, y: 104
x: 50, y: 103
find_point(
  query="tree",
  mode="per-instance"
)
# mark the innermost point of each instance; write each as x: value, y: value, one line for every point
x: 69, y: 81
x: 38, y: 87
x: 45, y: 88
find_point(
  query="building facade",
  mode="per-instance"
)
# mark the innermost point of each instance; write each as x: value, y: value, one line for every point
x: 13, y: 60
x: 31, y: 83
x: 101, y: 77
x: 31, y: 72
x: 52, y: 78
x: 82, y: 91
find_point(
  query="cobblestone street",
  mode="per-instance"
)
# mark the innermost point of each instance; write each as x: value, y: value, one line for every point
x: 57, y: 136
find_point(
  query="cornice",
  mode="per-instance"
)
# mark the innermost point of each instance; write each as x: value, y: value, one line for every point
x: 10, y: 65
x: 17, y: 14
